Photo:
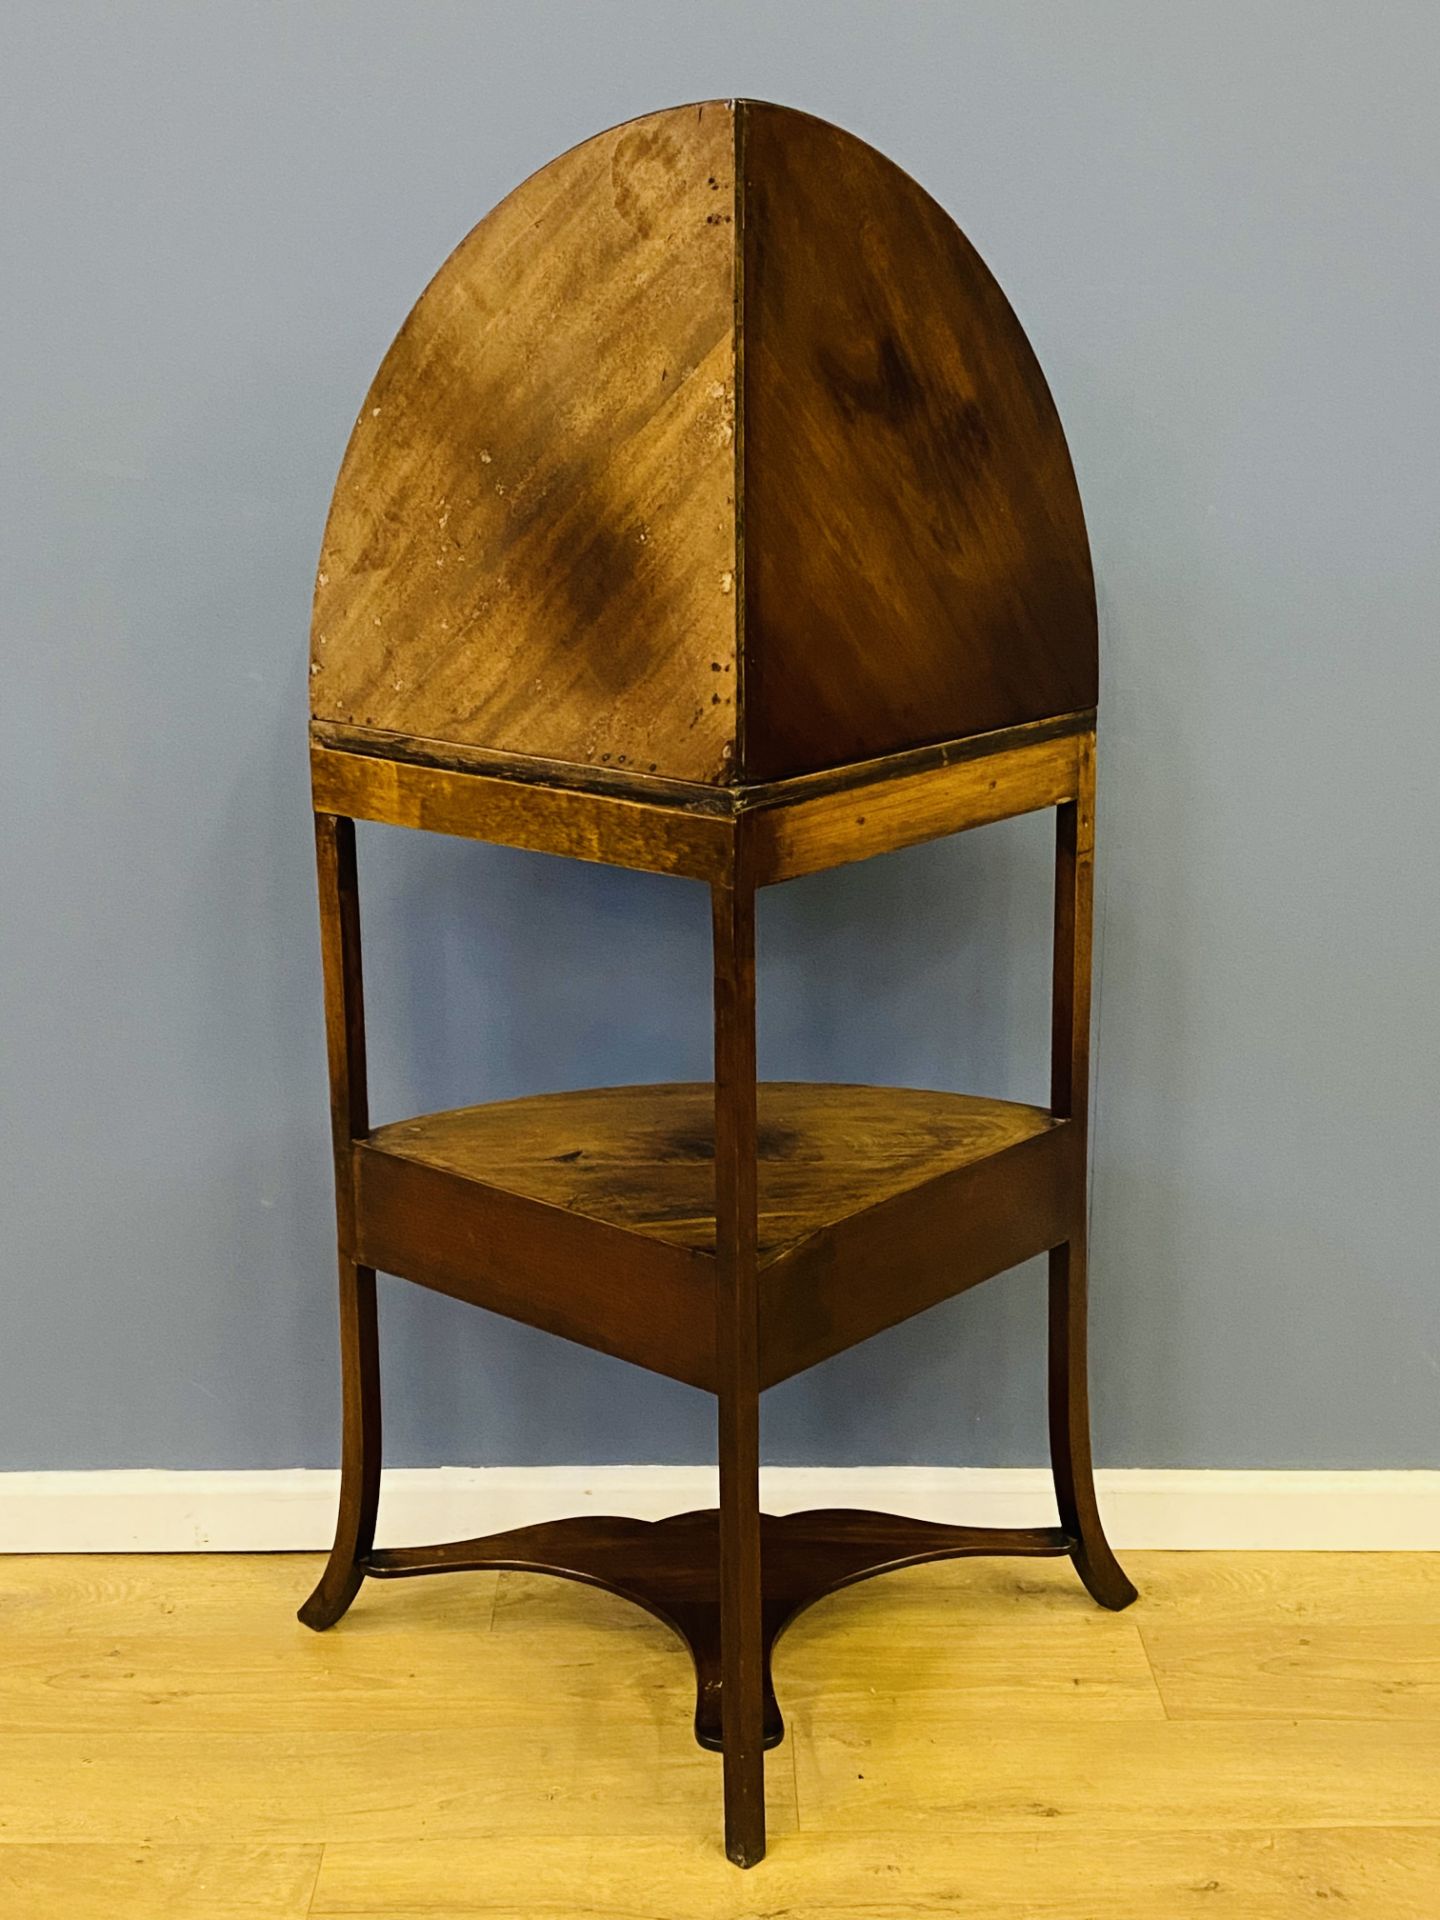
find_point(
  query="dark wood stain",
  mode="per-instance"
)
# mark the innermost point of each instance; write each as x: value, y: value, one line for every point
x: 916, y: 560
x: 643, y: 1158
x: 884, y: 1263
x: 587, y: 1279
x: 535, y: 515
x: 664, y: 415
x: 670, y: 1568
x: 710, y: 516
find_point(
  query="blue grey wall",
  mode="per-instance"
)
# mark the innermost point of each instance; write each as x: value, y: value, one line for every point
x: 1218, y: 225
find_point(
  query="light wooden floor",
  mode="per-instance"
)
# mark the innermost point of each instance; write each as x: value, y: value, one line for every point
x: 1260, y: 1736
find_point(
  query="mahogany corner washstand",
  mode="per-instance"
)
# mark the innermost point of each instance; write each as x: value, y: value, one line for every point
x: 710, y: 515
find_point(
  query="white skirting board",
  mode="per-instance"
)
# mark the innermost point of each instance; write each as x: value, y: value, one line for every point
x: 158, y: 1511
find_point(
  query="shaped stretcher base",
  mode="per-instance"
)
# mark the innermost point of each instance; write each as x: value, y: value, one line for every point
x: 672, y: 1568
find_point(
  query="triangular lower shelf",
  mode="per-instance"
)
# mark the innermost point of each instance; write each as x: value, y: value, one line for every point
x: 592, y: 1213
x: 643, y: 1158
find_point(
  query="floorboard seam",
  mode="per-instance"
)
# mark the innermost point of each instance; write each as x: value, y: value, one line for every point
x: 1154, y: 1676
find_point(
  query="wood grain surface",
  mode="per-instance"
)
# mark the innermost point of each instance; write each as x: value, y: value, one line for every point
x: 642, y: 1158
x: 916, y: 563
x: 797, y: 826
x: 802, y: 833
x: 603, y: 827
x: 683, y: 1570
x: 883, y: 1263
x: 621, y: 1292
x: 713, y: 454
x: 158, y: 1764
x: 532, y: 541
x: 714, y: 458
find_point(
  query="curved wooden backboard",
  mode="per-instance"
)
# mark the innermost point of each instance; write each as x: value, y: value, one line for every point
x: 532, y: 543
x: 916, y: 566
x: 715, y: 454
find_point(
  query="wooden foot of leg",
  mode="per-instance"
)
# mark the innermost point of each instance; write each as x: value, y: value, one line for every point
x: 360, y: 1455
x: 1070, y: 1431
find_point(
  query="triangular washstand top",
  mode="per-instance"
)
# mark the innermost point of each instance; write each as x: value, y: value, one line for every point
x: 713, y: 454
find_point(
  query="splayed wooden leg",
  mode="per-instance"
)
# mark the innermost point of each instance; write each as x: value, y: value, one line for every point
x: 1070, y: 1431
x: 1070, y: 1099
x: 360, y: 1457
